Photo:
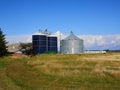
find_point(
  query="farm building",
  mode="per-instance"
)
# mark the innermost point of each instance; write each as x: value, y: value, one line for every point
x: 44, y: 42
x: 72, y: 45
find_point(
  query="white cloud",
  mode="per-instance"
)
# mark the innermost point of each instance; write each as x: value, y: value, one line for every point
x: 19, y: 38
x: 101, y: 41
x: 90, y: 41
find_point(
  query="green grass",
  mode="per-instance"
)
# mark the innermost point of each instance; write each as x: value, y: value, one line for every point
x: 61, y: 72
x: 2, y: 65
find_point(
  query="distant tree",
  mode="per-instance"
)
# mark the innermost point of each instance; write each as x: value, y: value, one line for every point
x: 3, y: 47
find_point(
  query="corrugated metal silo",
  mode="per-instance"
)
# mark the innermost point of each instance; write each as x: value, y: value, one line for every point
x: 52, y: 43
x: 72, y: 45
x: 39, y: 43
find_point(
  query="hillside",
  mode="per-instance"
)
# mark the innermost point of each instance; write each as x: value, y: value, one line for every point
x: 61, y: 72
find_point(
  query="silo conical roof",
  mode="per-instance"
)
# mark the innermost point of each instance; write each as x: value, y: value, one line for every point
x: 72, y: 37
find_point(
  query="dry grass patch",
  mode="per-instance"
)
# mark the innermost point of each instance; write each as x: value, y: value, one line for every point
x: 61, y: 72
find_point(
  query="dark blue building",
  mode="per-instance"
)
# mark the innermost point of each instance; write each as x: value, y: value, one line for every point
x: 52, y: 44
x: 43, y: 43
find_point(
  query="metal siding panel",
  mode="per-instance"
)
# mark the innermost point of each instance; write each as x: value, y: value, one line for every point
x: 39, y: 44
x: 42, y: 43
x: 71, y: 46
x: 52, y: 44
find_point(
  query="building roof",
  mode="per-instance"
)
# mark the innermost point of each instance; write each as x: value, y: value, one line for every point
x: 72, y: 37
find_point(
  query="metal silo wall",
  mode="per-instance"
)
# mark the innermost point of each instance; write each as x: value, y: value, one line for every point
x: 81, y: 46
x: 39, y: 44
x: 72, y: 46
x: 52, y: 44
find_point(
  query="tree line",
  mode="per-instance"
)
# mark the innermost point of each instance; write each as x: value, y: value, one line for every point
x: 3, y: 47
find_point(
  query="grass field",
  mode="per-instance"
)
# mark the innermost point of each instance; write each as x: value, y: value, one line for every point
x: 61, y: 72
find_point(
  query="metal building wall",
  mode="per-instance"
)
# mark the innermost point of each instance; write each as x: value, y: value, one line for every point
x: 52, y: 43
x: 72, y: 45
x: 39, y: 44
x: 43, y: 43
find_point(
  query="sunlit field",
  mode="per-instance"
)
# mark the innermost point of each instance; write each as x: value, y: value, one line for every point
x: 61, y: 72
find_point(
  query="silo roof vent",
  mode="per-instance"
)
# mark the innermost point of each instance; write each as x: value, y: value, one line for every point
x: 72, y: 37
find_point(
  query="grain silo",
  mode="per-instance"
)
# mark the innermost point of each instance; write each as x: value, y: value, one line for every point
x: 39, y: 43
x: 43, y: 42
x: 52, y: 43
x: 72, y: 45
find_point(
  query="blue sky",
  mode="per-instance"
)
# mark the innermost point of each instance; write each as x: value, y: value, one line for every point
x: 97, y: 17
